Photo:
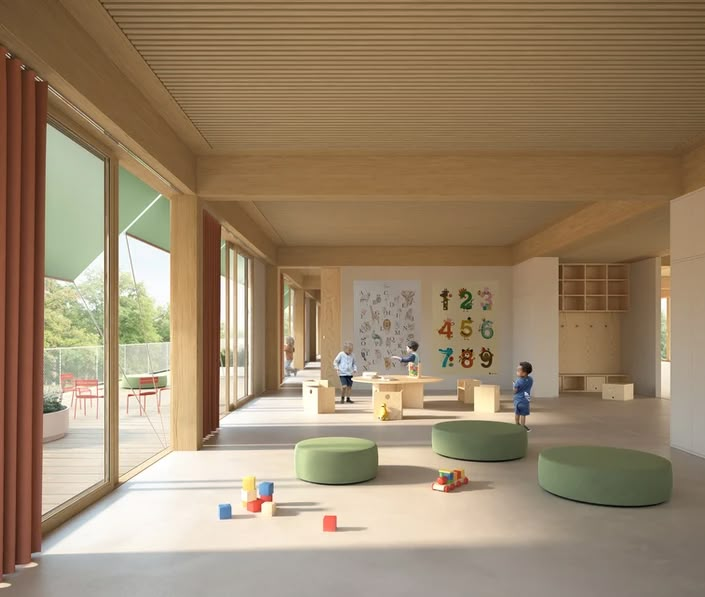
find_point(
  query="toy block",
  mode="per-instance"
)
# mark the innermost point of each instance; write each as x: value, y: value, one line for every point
x: 269, y: 508
x: 255, y: 506
x: 249, y: 483
x: 265, y: 488
x: 247, y: 496
x: 330, y: 524
x: 266, y: 498
x: 225, y: 511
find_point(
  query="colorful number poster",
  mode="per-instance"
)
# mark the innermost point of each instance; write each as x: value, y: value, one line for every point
x: 387, y: 316
x: 465, y: 332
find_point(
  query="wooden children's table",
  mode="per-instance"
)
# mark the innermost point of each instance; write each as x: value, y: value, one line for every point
x: 410, y: 387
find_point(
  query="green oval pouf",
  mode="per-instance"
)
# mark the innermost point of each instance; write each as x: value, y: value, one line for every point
x: 485, y: 441
x: 606, y: 476
x: 336, y: 460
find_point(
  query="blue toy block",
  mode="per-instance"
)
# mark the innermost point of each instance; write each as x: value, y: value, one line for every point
x: 225, y: 511
x: 266, y: 489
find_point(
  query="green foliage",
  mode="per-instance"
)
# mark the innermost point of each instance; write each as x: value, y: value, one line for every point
x: 52, y: 401
x: 74, y: 315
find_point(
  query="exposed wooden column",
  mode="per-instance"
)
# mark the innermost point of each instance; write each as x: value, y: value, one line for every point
x: 330, y: 321
x: 300, y: 328
x: 273, y: 340
x: 186, y: 322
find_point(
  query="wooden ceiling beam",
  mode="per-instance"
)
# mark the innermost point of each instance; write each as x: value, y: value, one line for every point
x: 294, y: 257
x: 694, y: 169
x: 441, y: 177
x: 244, y: 228
x: 585, y: 223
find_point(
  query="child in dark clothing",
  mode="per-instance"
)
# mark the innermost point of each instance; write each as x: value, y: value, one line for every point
x: 522, y: 393
x: 412, y: 358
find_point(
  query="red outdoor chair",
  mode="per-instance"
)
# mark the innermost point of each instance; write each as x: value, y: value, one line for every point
x: 86, y: 389
x: 68, y: 384
x: 146, y: 386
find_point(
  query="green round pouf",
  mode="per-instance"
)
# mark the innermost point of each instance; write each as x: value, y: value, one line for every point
x: 606, y: 476
x: 336, y: 460
x: 484, y: 441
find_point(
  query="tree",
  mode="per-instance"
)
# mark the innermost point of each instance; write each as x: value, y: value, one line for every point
x: 73, y: 314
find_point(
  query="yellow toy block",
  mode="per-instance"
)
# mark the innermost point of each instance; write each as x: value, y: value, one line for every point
x: 249, y: 483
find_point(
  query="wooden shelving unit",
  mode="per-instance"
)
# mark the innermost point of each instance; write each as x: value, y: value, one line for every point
x: 589, y: 382
x: 594, y: 287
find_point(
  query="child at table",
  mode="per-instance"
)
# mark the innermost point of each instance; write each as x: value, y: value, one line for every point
x: 412, y: 358
x: 346, y: 366
x: 522, y: 393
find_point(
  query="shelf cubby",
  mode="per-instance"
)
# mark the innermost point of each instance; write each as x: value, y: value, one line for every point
x: 596, y: 287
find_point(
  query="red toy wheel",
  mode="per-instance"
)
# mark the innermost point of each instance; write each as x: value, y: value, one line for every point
x: 446, y: 489
x: 466, y: 481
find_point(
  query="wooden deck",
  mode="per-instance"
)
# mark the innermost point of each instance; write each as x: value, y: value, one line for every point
x: 76, y: 462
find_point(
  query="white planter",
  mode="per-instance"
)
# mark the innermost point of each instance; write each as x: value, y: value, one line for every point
x: 55, y: 425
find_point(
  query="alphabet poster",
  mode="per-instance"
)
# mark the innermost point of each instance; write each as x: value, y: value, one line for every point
x: 465, y: 333
x: 387, y: 316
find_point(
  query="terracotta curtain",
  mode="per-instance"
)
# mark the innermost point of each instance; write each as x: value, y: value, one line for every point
x: 211, y: 323
x: 23, y: 118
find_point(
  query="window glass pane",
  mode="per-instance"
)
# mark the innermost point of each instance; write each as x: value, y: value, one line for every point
x: 242, y: 353
x: 224, y: 353
x: 144, y: 327
x: 74, y: 339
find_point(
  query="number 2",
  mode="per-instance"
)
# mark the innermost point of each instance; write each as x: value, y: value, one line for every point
x: 466, y: 295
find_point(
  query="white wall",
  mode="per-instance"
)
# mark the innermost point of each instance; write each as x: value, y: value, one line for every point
x: 258, y: 326
x: 688, y: 322
x: 535, y: 316
x: 641, y: 328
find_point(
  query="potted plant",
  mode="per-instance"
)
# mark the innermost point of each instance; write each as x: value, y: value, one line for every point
x: 56, y: 416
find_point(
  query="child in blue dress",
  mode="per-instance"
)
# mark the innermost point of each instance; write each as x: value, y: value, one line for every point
x: 522, y: 393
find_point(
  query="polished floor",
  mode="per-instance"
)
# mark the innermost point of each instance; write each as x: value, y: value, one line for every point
x: 159, y: 534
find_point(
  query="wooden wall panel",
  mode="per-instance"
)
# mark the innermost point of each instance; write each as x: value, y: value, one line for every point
x: 330, y: 322
x: 590, y: 343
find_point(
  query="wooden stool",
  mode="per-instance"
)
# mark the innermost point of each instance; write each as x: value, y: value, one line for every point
x: 318, y: 399
x: 312, y: 383
x: 618, y: 391
x: 392, y: 400
x: 486, y: 399
x: 466, y: 390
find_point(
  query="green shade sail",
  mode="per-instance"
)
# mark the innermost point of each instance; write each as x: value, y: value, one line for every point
x: 75, y: 196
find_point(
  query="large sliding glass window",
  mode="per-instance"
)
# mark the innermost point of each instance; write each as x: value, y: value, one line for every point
x: 74, y: 327
x: 236, y: 327
x: 144, y: 335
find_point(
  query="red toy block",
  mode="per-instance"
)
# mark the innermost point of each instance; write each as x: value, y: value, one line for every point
x: 330, y: 524
x: 266, y: 498
x: 255, y: 506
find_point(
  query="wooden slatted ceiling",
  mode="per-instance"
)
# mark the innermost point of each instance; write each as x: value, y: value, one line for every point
x: 428, y: 76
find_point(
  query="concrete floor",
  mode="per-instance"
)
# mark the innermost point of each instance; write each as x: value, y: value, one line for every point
x: 158, y: 535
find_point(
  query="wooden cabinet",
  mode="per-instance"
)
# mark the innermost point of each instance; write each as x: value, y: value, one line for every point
x: 597, y: 287
x: 589, y: 382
